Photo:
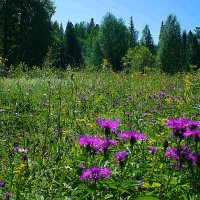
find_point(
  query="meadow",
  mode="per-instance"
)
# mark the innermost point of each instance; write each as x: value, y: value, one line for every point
x: 99, y: 135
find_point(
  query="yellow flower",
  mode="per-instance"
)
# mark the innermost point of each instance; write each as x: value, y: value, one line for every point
x: 20, y: 169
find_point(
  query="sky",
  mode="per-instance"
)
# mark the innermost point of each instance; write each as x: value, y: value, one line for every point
x: 150, y: 12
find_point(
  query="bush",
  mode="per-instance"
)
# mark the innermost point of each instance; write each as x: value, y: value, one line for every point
x: 138, y: 58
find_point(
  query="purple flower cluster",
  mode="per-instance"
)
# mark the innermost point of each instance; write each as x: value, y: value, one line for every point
x: 183, y: 127
x: 7, y: 195
x: 96, y: 143
x: 181, y: 154
x: 108, y: 123
x: 121, y: 156
x: 95, y: 173
x: 23, y: 152
x: 134, y: 136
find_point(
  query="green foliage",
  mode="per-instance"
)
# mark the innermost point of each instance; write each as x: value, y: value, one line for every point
x: 138, y: 59
x: 147, y: 39
x: 113, y: 38
x: 133, y: 34
x: 26, y: 30
x: 47, y: 111
x: 72, y: 50
x: 169, y: 53
x: 193, y: 49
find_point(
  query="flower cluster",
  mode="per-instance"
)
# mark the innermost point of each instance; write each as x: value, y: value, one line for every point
x: 132, y: 136
x: 95, y: 173
x: 108, y: 123
x: 182, y: 154
x: 96, y: 143
x: 183, y: 127
x: 23, y: 152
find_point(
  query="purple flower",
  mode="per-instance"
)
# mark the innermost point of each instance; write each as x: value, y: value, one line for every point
x: 154, y: 111
x: 96, y: 143
x: 21, y: 150
x: 130, y: 96
x: 144, y: 114
x: 25, y: 156
x: 153, y: 149
x: 134, y: 136
x: 182, y: 125
x: 193, y: 158
x: 95, y: 173
x: 108, y: 123
x: 84, y: 98
x: 2, y: 184
x: 121, y: 156
x: 189, y: 133
x: 91, y: 141
x: 177, y: 153
x: 82, y: 166
x: 106, y: 143
x: 7, y: 195
x: 17, y: 148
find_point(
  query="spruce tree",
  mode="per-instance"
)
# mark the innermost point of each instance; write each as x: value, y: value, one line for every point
x: 184, y: 51
x: 133, y: 34
x: 169, y: 53
x: 193, y: 49
x: 147, y: 39
x: 72, y: 51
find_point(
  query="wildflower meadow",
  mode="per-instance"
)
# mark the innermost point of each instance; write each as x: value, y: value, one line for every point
x: 99, y: 135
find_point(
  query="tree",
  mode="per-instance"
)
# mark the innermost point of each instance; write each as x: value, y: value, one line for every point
x: 169, y: 53
x: 114, y: 38
x: 161, y: 30
x: 133, y: 34
x: 26, y: 30
x: 94, y: 54
x: 193, y: 49
x: 139, y: 58
x: 184, y: 51
x: 147, y: 39
x: 40, y: 34
x: 72, y: 50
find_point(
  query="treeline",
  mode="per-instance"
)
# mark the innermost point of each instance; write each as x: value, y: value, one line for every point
x: 28, y: 35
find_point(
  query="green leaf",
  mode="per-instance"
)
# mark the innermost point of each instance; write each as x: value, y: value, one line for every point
x: 147, y: 198
x: 154, y: 185
x: 108, y: 196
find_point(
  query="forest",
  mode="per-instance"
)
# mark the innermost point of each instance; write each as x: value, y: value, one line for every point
x: 29, y: 36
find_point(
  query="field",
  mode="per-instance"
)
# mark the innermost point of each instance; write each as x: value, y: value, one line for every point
x: 61, y: 134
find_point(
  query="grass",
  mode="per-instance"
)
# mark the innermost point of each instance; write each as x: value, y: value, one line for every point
x: 47, y: 112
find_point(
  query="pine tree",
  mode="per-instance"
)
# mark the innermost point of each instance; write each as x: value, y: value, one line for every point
x: 133, y: 34
x: 169, y: 53
x: 26, y: 30
x: 72, y: 50
x: 193, y: 49
x: 161, y: 29
x: 184, y: 51
x: 147, y: 39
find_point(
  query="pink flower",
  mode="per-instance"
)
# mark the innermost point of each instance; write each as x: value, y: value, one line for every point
x: 95, y: 173
x: 121, y: 156
x: 108, y: 123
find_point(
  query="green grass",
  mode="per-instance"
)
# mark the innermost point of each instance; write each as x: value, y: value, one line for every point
x: 48, y: 111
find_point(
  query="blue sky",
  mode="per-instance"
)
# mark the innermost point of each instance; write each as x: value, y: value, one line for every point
x: 150, y: 12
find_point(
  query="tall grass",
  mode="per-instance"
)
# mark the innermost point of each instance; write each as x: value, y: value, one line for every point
x: 45, y: 113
